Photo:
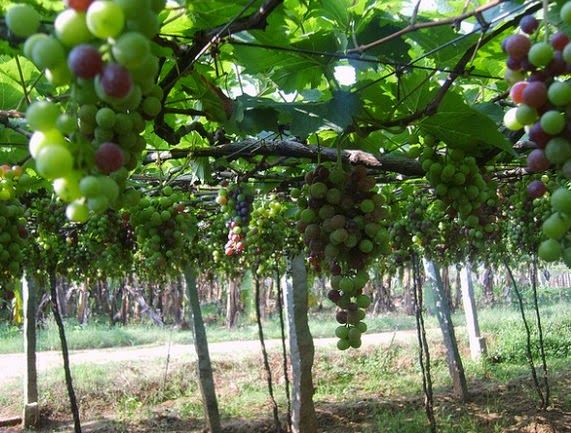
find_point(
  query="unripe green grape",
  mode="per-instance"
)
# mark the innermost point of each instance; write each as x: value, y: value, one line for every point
x: 48, y: 53
x: 67, y: 188
x: 105, y: 19
x: 552, y: 122
x: 131, y: 50
x: 559, y: 93
x: 59, y: 76
x: 71, y: 28
x: 77, y: 212
x: 152, y: 106
x: 53, y: 161
x: 146, y: 23
x: 90, y: 187
x: 540, y: 54
x: 42, y: 115
x: 98, y: 204
x: 22, y: 20
x: 123, y: 123
x: 66, y: 123
x: 510, y: 120
x: 31, y: 42
x: 105, y: 117
x: 40, y: 139
x: 525, y: 115
x: 343, y: 344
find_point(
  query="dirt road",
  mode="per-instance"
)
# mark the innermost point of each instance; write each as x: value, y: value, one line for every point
x: 13, y: 366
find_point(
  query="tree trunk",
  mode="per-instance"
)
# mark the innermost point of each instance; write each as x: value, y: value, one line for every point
x: 458, y: 297
x: 301, y: 348
x: 65, y: 353
x: 444, y: 319
x: 477, y: 342
x: 232, y: 302
x: 31, y: 416
x: 205, y: 378
x: 383, y: 299
x: 408, y: 297
x: 488, y: 286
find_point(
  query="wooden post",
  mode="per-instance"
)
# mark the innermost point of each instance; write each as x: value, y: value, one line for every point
x: 477, y: 342
x: 301, y: 348
x: 31, y: 414
x: 205, y: 377
x: 445, y: 320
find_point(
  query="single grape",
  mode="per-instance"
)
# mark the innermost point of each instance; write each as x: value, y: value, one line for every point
x: 67, y: 188
x: 559, y: 93
x: 131, y: 50
x: 536, y: 189
x: 516, y: 92
x: 537, y: 161
x: 109, y: 158
x: 552, y: 122
x: 145, y: 23
x: 152, y: 106
x: 535, y: 94
x: 22, y: 20
x: 90, y: 186
x: 565, y: 13
x: 31, y: 42
x: 510, y: 122
x: 85, y: 61
x: 48, y: 53
x: 106, y: 117
x: 53, y: 161
x: 71, y: 28
x: 41, y: 139
x: 42, y: 115
x: 558, y: 150
x: 116, y: 81
x: 559, y: 40
x: 59, y: 76
x: 77, y: 211
x: 540, y: 54
x: 105, y: 19
x: 528, y: 24
x: 517, y: 46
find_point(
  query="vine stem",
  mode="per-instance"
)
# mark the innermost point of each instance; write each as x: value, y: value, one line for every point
x: 423, y: 351
x: 22, y: 81
x: 540, y: 332
x: 265, y: 357
x: 528, y: 334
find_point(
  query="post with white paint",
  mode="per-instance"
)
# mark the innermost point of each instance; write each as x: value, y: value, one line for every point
x: 31, y: 415
x: 301, y: 348
x: 477, y: 342
x: 445, y: 321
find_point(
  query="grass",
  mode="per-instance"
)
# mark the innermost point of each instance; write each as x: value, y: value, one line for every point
x: 136, y: 392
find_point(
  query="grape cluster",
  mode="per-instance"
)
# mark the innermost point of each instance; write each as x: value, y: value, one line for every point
x: 10, y: 178
x: 164, y: 229
x: 270, y: 234
x: 542, y: 96
x: 342, y: 217
x: 108, y: 239
x: 236, y: 203
x: 12, y: 240
x: 459, y: 183
x: 103, y: 50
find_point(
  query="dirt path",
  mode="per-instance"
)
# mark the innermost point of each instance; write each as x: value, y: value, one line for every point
x: 12, y: 366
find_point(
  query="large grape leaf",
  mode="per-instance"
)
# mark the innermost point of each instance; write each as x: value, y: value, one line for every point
x: 459, y: 125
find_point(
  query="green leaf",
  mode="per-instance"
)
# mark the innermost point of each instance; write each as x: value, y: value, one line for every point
x: 461, y: 126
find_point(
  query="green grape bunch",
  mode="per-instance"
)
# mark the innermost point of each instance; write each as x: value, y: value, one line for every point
x: 103, y: 52
x: 343, y: 219
x: 164, y: 230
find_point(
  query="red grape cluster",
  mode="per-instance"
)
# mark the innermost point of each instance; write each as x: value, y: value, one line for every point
x: 236, y: 202
x: 103, y: 50
x: 537, y: 71
x: 342, y: 219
